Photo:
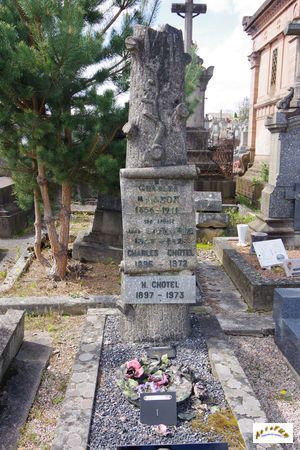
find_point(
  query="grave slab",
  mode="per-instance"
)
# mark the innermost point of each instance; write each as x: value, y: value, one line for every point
x: 257, y: 290
x: 237, y: 389
x: 11, y: 337
x: 18, y: 391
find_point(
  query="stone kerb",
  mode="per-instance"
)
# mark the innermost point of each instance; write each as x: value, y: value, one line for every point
x: 74, y: 424
x: 257, y: 291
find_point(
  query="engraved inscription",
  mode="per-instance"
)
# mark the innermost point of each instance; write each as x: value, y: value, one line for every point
x: 159, y: 289
x: 157, y: 234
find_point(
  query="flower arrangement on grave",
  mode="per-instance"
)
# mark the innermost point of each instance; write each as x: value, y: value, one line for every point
x: 145, y: 376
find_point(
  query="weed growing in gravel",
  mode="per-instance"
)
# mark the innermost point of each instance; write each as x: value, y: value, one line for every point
x: 223, y: 423
x: 202, y: 246
x: 2, y: 275
x: 284, y: 395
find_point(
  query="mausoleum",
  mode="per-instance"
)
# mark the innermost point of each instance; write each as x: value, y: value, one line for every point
x: 275, y: 67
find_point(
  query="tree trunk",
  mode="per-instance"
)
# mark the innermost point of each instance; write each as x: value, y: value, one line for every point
x: 59, y: 268
x: 64, y: 215
x: 38, y: 230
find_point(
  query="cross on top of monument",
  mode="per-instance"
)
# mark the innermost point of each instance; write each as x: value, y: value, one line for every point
x: 188, y: 11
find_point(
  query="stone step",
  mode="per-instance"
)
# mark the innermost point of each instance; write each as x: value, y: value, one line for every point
x: 11, y: 337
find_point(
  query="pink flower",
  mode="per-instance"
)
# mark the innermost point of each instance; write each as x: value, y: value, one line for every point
x: 161, y: 429
x: 133, y: 369
x: 164, y: 380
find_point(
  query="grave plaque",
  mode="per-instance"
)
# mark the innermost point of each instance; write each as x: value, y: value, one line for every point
x: 158, y: 408
x: 159, y: 244
x: 159, y: 289
x: 270, y: 253
x: 160, y: 232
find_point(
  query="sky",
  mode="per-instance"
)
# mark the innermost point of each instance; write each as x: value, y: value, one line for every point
x: 222, y: 43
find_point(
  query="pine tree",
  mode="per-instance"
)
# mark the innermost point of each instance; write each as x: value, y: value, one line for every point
x: 58, y: 115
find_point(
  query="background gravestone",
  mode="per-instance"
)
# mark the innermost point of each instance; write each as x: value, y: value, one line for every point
x: 280, y: 196
x: 12, y: 218
x: 105, y: 240
x: 159, y: 253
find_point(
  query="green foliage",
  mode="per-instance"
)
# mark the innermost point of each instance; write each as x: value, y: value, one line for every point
x: 242, y: 200
x: 192, y: 75
x: 264, y: 172
x: 55, y: 108
x: 256, y: 182
x: 235, y: 217
x: 243, y: 110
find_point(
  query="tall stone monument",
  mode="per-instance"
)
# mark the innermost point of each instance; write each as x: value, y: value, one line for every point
x: 280, y: 202
x: 159, y: 254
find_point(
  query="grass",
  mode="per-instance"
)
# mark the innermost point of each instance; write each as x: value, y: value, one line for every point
x: 40, y: 426
x: 204, y: 246
x: 224, y: 424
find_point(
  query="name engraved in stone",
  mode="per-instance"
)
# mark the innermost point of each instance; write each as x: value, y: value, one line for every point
x: 158, y: 221
x: 159, y: 289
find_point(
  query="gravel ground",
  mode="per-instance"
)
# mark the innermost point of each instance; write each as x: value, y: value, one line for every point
x: 269, y: 374
x: 116, y: 421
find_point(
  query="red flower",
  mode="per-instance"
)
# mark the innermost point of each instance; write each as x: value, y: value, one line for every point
x: 134, y: 369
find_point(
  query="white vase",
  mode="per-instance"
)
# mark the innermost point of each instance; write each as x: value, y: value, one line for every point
x: 242, y: 229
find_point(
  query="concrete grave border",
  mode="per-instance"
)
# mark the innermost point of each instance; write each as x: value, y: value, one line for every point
x: 17, y: 270
x: 237, y: 389
x: 257, y: 290
x: 62, y: 304
x: 74, y: 423
x: 73, y: 427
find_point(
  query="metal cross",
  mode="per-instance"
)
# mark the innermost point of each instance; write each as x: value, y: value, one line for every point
x: 188, y: 11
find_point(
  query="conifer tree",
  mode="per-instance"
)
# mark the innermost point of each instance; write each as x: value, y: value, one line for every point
x: 58, y: 115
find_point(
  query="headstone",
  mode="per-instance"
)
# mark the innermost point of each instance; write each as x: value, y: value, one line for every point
x: 105, y: 240
x: 208, y: 201
x: 211, y: 222
x: 12, y: 218
x: 243, y: 147
x: 159, y: 254
x: 286, y: 314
